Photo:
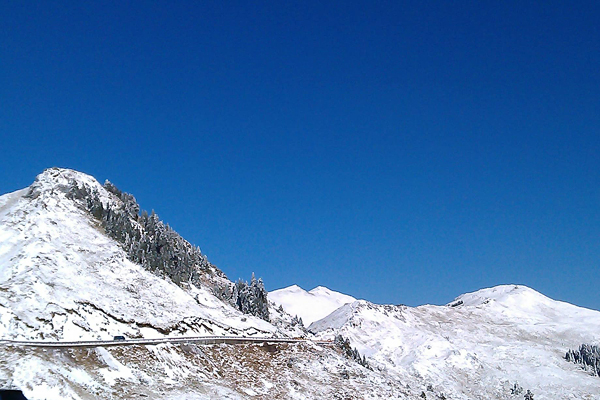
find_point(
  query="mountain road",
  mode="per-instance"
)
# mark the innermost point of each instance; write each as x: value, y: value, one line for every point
x: 200, y: 340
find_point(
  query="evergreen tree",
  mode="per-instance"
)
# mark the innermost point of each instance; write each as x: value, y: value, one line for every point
x: 344, y: 345
x: 252, y: 298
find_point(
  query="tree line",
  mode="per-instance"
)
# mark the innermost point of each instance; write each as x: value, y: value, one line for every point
x: 150, y: 242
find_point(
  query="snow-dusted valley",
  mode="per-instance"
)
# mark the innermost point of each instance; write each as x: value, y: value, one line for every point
x: 79, y: 262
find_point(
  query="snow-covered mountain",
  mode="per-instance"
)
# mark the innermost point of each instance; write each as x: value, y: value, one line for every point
x: 78, y: 261
x: 477, y: 347
x: 311, y: 306
x: 64, y: 276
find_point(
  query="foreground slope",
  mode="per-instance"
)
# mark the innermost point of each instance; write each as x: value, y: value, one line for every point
x: 311, y: 306
x: 63, y: 278
x: 477, y: 347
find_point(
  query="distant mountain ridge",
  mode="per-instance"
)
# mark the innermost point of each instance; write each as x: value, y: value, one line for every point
x: 310, y: 305
x: 497, y: 338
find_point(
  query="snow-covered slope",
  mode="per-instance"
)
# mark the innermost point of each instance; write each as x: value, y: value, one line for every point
x: 63, y: 278
x: 312, y: 305
x: 479, y: 346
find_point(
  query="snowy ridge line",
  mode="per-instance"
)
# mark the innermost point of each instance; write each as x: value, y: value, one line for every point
x: 202, y: 340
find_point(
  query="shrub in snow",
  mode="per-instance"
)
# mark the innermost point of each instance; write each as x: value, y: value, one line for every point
x: 516, y: 389
x: 528, y: 395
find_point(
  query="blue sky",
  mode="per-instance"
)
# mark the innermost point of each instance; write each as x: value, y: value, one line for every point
x: 402, y: 152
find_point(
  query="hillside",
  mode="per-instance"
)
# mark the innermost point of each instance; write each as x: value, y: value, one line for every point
x: 63, y: 277
x: 478, y: 346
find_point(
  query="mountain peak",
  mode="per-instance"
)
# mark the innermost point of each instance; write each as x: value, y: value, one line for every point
x: 63, y: 177
x: 491, y: 333
x: 310, y: 306
x: 62, y: 180
x: 520, y: 295
x: 321, y: 289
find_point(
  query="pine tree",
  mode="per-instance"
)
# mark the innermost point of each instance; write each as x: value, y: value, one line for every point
x: 252, y: 298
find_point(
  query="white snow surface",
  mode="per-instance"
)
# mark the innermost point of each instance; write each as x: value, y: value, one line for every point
x: 479, y: 345
x: 311, y: 306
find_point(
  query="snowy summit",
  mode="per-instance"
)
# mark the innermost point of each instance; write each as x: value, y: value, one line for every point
x: 311, y: 306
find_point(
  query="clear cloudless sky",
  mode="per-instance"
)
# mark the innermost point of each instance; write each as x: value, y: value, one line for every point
x: 398, y: 151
